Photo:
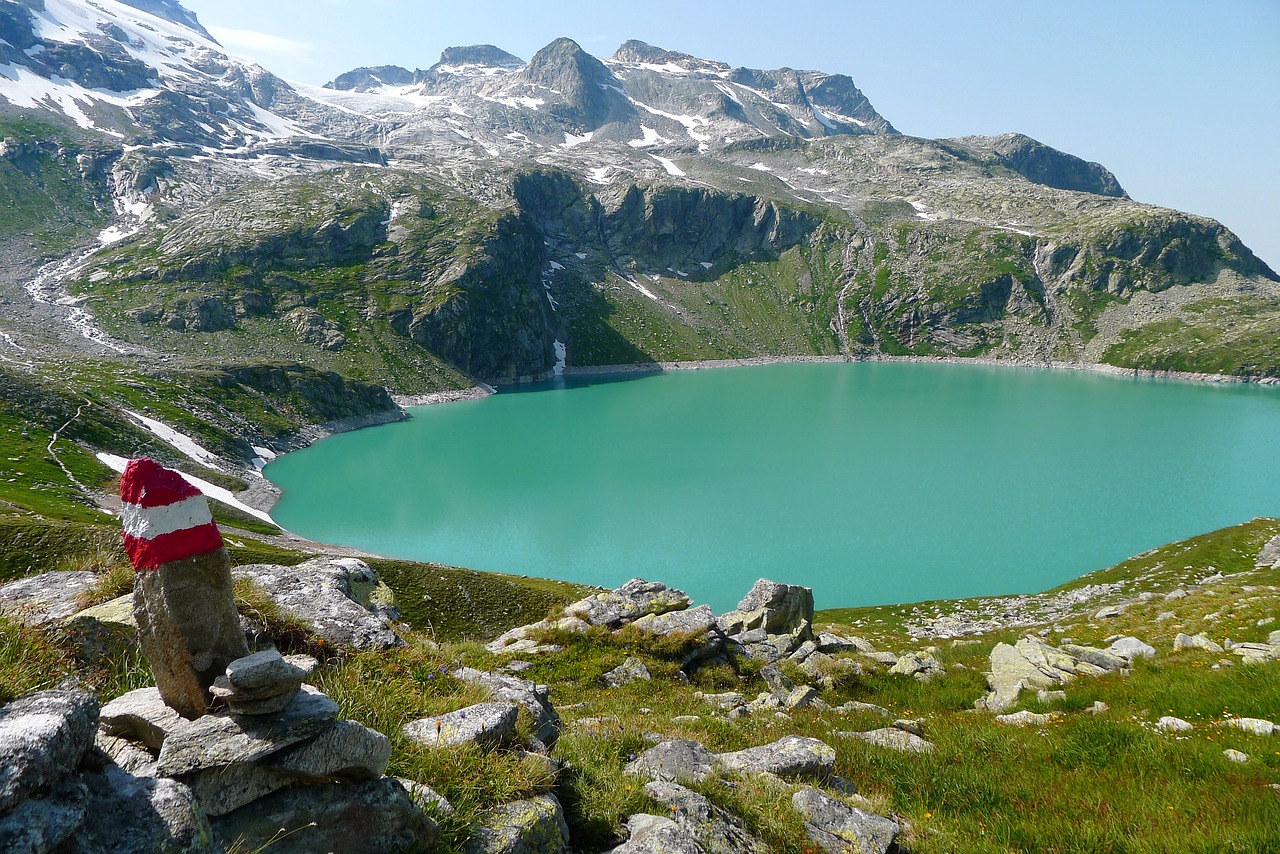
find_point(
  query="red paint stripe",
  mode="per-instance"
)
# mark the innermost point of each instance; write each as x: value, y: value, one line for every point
x: 149, y: 484
x: 180, y: 545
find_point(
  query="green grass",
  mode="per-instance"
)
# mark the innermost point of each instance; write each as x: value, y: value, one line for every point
x: 1084, y: 783
x: 1218, y: 336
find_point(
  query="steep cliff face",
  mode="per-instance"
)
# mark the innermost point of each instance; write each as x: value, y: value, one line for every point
x: 488, y: 316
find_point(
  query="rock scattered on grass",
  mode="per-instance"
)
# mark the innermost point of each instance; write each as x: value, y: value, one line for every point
x: 838, y: 828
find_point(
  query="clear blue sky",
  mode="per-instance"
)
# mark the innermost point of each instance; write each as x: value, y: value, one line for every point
x: 1180, y: 98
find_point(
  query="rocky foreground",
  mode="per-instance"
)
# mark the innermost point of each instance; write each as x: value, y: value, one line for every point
x: 274, y: 765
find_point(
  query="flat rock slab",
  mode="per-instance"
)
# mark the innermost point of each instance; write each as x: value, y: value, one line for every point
x: 373, y: 817
x: 266, y: 671
x: 716, y: 831
x: 484, y: 724
x: 694, y: 621
x: 838, y: 828
x: 346, y: 751
x: 535, y: 826
x: 332, y: 597
x: 893, y: 739
x: 45, y: 598
x: 1027, y: 718
x: 633, y: 600
x: 656, y: 834
x: 675, y: 760
x: 217, y: 740
x: 534, y: 698
x: 791, y: 756
x: 141, y: 716
x: 43, y: 738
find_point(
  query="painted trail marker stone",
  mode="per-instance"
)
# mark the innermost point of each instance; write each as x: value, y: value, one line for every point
x: 187, y: 623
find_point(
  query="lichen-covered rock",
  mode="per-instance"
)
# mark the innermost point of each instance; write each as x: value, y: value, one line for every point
x: 791, y: 756
x: 43, y: 738
x: 633, y: 600
x: 346, y: 751
x: 675, y: 760
x: 655, y: 834
x: 44, y: 598
x: 373, y: 817
x: 1198, y: 641
x: 104, y: 632
x: 534, y: 698
x: 224, y: 739
x: 1027, y: 718
x: 484, y: 724
x: 631, y: 670
x: 779, y: 609
x: 1032, y: 663
x: 339, y: 599
x: 893, y: 738
x: 919, y: 665
x: 838, y: 828
x: 1130, y: 648
x: 716, y: 831
x: 534, y: 826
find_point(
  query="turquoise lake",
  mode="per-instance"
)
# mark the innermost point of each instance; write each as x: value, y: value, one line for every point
x: 872, y: 483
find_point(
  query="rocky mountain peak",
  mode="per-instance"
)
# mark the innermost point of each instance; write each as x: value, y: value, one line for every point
x: 371, y: 77
x: 590, y: 94
x: 170, y: 10
x: 636, y: 52
x: 485, y: 55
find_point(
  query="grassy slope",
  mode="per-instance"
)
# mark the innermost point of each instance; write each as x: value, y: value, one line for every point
x: 1084, y: 783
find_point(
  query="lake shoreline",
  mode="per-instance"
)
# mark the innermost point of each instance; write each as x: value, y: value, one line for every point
x: 754, y: 361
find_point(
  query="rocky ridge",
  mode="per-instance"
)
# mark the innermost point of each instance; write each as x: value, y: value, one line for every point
x: 503, y: 220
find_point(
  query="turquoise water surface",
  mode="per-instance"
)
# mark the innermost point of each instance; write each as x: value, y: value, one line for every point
x: 870, y: 482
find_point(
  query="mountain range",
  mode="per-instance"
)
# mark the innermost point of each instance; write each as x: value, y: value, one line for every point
x: 491, y: 218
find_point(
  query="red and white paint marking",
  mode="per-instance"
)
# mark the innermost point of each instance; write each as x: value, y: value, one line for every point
x: 165, y: 517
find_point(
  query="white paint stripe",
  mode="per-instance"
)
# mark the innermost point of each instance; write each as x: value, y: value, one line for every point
x: 150, y: 522
x: 117, y: 464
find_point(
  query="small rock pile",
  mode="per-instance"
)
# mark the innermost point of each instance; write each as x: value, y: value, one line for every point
x: 279, y: 759
x: 772, y: 622
x: 263, y: 683
x: 1032, y: 663
x: 692, y: 824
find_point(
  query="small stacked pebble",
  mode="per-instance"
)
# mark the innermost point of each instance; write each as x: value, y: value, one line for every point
x: 263, y: 683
